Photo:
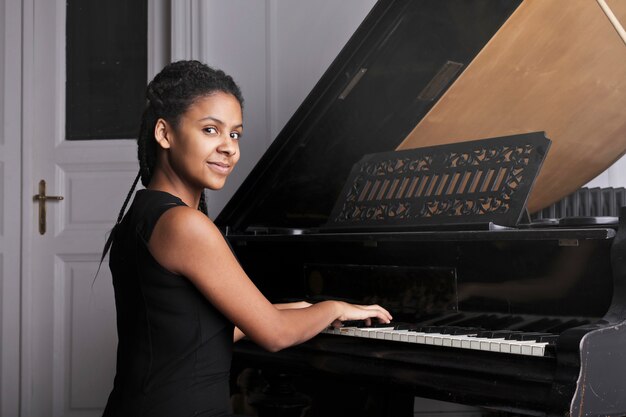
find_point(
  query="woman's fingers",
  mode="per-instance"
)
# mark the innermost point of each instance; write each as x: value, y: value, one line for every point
x: 365, y: 312
x: 381, y: 313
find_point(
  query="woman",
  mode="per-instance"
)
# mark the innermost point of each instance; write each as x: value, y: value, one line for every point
x: 181, y: 297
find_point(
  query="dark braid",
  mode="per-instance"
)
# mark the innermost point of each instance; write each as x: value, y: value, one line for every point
x: 169, y: 95
x: 202, y: 206
x: 109, y: 241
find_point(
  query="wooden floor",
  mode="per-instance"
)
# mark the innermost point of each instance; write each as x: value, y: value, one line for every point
x: 425, y: 407
x: 431, y: 408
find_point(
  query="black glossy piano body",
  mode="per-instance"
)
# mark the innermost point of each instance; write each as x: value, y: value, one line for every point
x: 548, y: 280
x: 563, y: 280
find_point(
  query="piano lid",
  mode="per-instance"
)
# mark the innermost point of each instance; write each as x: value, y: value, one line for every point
x: 430, y: 72
x: 557, y: 66
x: 392, y: 71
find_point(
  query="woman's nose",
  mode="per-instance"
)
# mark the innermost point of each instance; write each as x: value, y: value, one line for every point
x: 228, y: 146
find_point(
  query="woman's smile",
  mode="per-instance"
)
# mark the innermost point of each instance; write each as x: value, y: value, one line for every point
x: 220, y: 167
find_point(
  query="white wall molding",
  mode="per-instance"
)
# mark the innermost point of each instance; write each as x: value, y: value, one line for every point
x: 159, y: 35
x: 181, y: 30
x: 10, y: 201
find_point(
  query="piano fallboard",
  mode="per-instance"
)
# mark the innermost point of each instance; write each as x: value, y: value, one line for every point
x: 555, y: 272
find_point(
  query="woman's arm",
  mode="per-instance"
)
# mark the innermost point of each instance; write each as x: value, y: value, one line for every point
x: 186, y: 242
x: 293, y: 305
x: 238, y: 334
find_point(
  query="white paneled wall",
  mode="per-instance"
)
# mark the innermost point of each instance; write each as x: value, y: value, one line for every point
x: 304, y: 38
x: 615, y: 176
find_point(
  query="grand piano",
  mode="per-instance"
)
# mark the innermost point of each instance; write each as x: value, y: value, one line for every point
x: 521, y: 314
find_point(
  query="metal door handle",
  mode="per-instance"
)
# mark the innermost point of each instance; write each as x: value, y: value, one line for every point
x: 42, y: 198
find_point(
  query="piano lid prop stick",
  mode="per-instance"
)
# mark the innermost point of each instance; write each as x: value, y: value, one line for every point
x: 616, y: 24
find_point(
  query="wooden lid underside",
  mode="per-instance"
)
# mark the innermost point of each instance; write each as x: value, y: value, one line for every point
x: 557, y: 66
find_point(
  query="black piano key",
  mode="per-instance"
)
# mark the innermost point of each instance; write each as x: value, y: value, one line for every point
x: 430, y: 329
x: 404, y: 326
x: 363, y: 323
x: 496, y: 334
x: 550, y: 349
x: 526, y: 336
x: 551, y: 339
x: 377, y: 325
x: 353, y: 323
x: 448, y: 329
x: 451, y: 330
x: 464, y: 330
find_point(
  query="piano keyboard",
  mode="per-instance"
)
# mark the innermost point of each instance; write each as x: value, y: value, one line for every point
x: 503, y: 341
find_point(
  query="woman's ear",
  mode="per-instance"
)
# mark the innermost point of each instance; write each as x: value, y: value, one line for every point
x: 162, y: 133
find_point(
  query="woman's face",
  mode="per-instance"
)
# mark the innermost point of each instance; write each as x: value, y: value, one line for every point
x: 205, y: 146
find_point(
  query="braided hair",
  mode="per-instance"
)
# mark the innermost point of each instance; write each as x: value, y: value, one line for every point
x: 169, y: 95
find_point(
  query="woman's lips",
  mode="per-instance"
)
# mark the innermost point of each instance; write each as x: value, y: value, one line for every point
x: 219, y: 167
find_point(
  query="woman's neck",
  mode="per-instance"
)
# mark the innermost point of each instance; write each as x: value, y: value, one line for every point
x: 161, y: 182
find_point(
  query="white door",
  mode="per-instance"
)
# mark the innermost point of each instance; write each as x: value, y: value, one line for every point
x: 68, y: 320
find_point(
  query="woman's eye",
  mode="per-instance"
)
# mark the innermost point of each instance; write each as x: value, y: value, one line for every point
x: 210, y: 130
x: 235, y: 135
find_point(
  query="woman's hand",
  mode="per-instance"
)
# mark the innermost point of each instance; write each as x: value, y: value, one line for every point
x: 361, y: 312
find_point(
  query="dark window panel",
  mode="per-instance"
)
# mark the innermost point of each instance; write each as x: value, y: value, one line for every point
x: 106, y: 68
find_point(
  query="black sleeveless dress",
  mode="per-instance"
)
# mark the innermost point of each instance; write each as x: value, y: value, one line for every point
x: 174, y: 349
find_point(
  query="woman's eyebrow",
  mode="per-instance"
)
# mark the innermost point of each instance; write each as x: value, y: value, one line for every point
x: 218, y: 121
x: 211, y: 118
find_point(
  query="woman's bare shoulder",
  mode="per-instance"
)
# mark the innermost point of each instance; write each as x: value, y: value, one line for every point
x: 180, y: 232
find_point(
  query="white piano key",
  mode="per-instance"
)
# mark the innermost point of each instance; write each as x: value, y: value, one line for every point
x: 457, y: 340
x: 505, y: 347
x: 495, y: 345
x: 369, y: 333
x: 475, y: 343
x: 518, y: 345
x: 467, y: 341
x: 539, y: 349
x: 385, y: 335
x: 347, y: 331
x: 398, y: 334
